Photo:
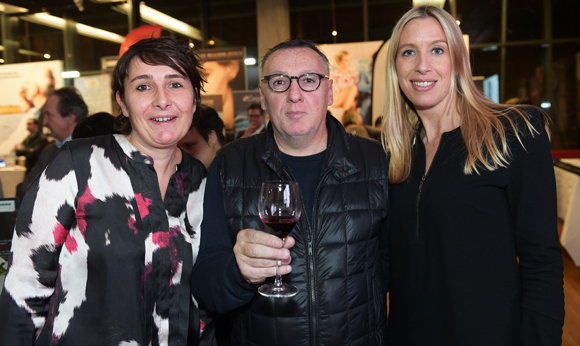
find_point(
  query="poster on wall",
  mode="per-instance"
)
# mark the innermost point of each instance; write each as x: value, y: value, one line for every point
x: 225, y: 72
x: 24, y: 88
x: 351, y: 69
x: 96, y: 91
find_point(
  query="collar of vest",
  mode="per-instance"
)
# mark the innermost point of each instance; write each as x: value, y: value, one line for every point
x: 338, y: 156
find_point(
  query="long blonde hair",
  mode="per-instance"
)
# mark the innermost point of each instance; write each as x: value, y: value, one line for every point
x: 481, y: 119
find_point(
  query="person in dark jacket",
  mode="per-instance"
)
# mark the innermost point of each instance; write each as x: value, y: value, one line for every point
x: 474, y: 251
x: 336, y: 254
x: 32, y: 145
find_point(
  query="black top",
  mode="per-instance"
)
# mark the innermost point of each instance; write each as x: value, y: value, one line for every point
x: 306, y: 170
x: 455, y: 241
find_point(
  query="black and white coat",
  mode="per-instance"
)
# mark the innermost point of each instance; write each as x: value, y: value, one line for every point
x: 98, y: 257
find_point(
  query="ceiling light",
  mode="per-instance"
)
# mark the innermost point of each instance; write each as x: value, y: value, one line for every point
x: 438, y: 3
x: 546, y: 105
x: 70, y: 74
x: 47, y: 56
x: 334, y: 33
x: 152, y: 16
x: 250, y: 61
x: 82, y: 29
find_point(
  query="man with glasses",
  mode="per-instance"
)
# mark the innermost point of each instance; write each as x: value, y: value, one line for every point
x: 256, y: 118
x: 336, y: 255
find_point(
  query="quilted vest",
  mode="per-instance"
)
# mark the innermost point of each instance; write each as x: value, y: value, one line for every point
x: 335, y: 262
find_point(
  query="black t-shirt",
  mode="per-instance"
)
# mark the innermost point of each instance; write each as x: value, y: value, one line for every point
x: 306, y: 170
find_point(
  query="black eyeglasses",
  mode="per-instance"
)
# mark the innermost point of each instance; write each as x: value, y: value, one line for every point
x: 281, y: 82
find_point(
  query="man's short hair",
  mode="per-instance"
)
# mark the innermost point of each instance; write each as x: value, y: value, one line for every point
x: 295, y: 43
x: 256, y: 106
x: 70, y: 101
x: 209, y: 120
x: 98, y: 124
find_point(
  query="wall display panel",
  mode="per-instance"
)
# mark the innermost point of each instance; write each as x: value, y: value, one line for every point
x: 24, y: 88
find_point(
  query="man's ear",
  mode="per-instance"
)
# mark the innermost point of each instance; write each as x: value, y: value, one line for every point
x: 212, y: 138
x: 330, y: 93
x: 262, y: 98
x: 72, y: 119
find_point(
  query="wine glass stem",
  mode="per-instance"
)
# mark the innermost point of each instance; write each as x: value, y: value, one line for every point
x: 278, y: 279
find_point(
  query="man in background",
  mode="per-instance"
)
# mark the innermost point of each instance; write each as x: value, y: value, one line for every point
x: 33, y: 144
x: 256, y: 117
x: 63, y: 110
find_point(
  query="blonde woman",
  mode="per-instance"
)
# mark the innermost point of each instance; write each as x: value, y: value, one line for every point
x: 473, y: 191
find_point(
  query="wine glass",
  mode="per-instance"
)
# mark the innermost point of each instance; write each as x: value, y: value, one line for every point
x: 280, y: 207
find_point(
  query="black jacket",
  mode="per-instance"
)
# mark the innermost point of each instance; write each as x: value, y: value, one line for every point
x: 336, y: 262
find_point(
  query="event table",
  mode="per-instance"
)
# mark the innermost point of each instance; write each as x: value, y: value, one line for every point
x: 568, y: 189
x: 10, y: 177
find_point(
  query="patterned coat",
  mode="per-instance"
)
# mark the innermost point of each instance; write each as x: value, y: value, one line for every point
x: 98, y: 257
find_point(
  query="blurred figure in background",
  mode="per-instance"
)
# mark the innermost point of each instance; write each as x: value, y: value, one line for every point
x: 63, y: 110
x: 353, y: 123
x: 98, y: 124
x: 205, y: 137
x: 256, y: 117
x: 33, y: 144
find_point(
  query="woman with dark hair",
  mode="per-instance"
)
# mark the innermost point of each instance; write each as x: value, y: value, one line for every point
x: 474, y: 256
x: 107, y: 235
x: 206, y: 136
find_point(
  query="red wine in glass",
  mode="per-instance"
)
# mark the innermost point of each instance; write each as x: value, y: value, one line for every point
x: 280, y: 207
x: 279, y: 226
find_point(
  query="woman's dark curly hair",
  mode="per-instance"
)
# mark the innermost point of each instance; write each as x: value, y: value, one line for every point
x: 158, y: 51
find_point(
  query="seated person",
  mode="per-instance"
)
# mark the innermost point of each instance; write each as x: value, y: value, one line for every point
x: 256, y: 117
x: 352, y: 123
x: 33, y: 144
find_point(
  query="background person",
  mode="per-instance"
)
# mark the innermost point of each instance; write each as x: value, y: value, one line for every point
x: 256, y: 116
x: 353, y: 123
x: 106, y: 237
x: 474, y: 251
x: 333, y: 254
x: 63, y: 110
x: 206, y: 136
x: 33, y: 144
x: 98, y: 124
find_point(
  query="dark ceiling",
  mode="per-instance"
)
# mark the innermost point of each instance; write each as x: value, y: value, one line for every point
x: 233, y: 22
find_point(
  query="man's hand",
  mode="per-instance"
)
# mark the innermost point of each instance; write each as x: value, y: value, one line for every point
x: 257, y: 252
x: 250, y: 130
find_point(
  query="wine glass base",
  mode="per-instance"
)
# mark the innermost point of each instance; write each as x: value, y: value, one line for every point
x: 272, y: 291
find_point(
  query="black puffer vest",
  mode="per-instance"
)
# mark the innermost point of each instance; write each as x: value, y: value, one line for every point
x: 335, y: 262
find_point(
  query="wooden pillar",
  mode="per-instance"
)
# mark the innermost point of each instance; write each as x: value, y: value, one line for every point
x: 273, y: 17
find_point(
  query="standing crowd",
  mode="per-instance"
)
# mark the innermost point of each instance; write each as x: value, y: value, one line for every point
x: 152, y: 235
